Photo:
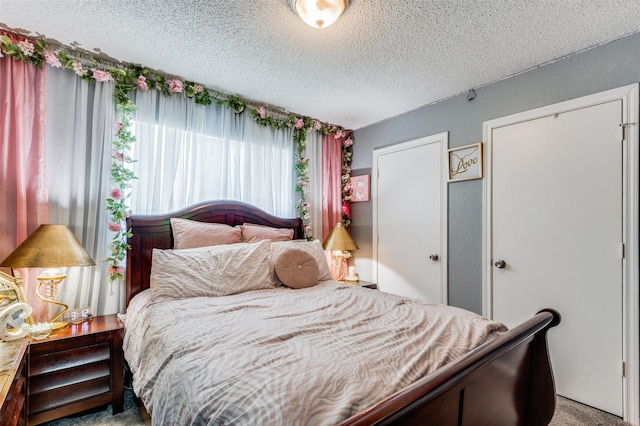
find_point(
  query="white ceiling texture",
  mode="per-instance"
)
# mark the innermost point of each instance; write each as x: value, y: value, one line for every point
x: 380, y: 59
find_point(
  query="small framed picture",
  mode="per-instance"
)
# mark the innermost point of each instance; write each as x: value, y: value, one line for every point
x: 360, y: 188
x: 465, y: 162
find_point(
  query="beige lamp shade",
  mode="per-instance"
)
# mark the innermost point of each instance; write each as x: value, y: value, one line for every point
x: 339, y: 239
x: 49, y: 246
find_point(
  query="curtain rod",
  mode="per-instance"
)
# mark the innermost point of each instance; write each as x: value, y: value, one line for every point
x: 102, y: 60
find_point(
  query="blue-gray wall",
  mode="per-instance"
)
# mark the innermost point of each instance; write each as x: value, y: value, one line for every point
x: 604, y: 67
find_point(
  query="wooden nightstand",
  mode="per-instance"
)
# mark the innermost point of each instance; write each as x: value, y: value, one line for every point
x: 367, y: 284
x: 75, y: 369
x: 361, y: 283
x: 13, y: 382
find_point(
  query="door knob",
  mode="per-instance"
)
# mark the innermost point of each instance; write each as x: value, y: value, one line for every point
x: 500, y: 264
x: 434, y: 257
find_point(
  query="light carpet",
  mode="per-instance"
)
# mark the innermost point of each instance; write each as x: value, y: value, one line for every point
x: 568, y: 413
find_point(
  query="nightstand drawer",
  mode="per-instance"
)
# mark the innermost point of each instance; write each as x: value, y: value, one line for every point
x: 63, y: 378
x: 50, y: 362
x: 59, y: 397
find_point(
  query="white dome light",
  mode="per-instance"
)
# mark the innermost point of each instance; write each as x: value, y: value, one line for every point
x: 319, y: 13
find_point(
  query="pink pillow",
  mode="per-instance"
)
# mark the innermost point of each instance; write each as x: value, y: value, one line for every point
x: 252, y: 233
x: 194, y: 234
x: 314, y: 248
x: 296, y: 268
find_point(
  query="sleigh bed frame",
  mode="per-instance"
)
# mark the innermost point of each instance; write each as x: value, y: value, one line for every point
x: 507, y: 381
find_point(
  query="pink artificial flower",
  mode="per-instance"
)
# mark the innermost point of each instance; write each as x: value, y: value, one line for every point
x: 263, y: 112
x: 77, y: 67
x: 116, y: 194
x: 118, y: 126
x: 101, y: 76
x: 118, y: 155
x: 346, y: 209
x: 52, y: 59
x: 348, y: 142
x: 111, y: 269
x: 299, y: 123
x: 175, y: 86
x: 114, y: 227
x: 197, y: 88
x: 142, y: 83
x: 317, y: 125
x: 304, y: 160
x: 26, y: 47
x: 338, y: 134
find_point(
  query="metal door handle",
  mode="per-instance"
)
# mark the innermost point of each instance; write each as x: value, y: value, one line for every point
x: 500, y: 264
x: 434, y: 257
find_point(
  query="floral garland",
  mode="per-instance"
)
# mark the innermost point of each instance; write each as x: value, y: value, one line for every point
x: 133, y: 77
x: 301, y: 126
x: 122, y: 177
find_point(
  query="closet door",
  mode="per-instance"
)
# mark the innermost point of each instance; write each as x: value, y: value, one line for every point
x: 557, y: 222
x: 409, y: 218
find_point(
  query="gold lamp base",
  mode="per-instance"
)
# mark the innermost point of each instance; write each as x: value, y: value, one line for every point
x: 58, y: 325
x: 50, y: 279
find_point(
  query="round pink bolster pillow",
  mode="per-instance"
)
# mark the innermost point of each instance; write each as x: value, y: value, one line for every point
x: 296, y: 268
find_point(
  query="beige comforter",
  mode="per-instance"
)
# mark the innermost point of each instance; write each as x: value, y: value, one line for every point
x: 287, y: 357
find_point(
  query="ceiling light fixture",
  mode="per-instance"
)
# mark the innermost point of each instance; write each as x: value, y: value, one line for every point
x: 319, y: 13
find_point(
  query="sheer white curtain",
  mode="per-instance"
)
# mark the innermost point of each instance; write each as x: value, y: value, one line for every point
x: 314, y: 153
x: 187, y: 153
x: 80, y: 118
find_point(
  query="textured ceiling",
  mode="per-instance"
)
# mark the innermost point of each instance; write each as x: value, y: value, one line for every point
x: 382, y: 58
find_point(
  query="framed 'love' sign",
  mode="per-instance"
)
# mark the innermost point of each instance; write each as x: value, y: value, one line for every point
x: 465, y: 162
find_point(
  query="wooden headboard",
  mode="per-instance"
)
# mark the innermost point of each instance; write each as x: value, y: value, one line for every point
x: 154, y: 231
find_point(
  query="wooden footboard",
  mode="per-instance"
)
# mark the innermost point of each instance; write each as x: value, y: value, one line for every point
x: 508, y: 381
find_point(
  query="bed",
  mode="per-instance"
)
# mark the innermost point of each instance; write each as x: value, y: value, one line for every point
x: 488, y: 376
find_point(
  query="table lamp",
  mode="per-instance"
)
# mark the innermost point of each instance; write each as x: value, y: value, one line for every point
x: 50, y: 246
x: 340, y: 243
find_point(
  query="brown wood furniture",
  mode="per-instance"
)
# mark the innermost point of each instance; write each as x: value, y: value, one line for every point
x: 367, y: 284
x: 75, y: 369
x: 13, y: 382
x: 507, y: 381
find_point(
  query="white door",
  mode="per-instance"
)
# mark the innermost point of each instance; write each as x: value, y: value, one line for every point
x: 409, y: 218
x: 557, y: 234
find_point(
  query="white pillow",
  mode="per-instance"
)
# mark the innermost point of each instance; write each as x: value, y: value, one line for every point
x: 210, y: 271
x: 314, y: 248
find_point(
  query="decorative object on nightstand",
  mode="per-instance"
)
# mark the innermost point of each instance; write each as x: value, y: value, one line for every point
x: 15, y: 313
x: 50, y: 246
x: 352, y: 276
x: 340, y: 243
